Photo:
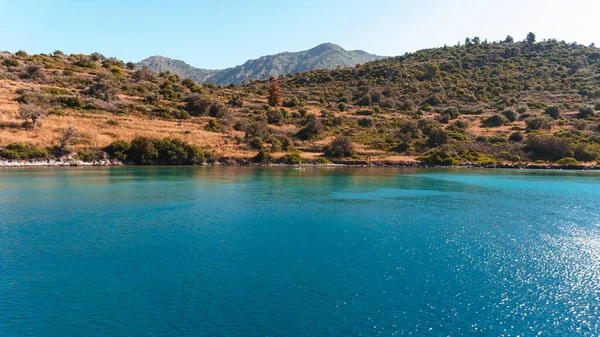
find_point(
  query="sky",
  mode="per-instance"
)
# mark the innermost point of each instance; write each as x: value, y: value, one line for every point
x: 217, y: 34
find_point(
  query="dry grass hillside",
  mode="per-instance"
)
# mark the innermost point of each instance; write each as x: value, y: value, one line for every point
x: 502, y: 102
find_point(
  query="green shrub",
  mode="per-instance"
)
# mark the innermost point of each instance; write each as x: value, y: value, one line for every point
x: 89, y: 155
x: 495, y: 121
x: 459, y: 136
x: 274, y: 116
x: 291, y: 158
x: 547, y: 147
x: 312, y: 129
x: 553, y: 112
x: 498, y: 139
x: 322, y: 160
x: 440, y: 156
x: 11, y: 62
x: 118, y: 150
x: 539, y: 123
x: 263, y: 156
x: 585, y: 152
x: 112, y: 122
x: 511, y: 115
x: 437, y: 137
x: 340, y: 147
x: 56, y: 112
x: 597, y: 107
x: 56, y: 91
x: 365, y: 112
x: 567, y: 161
x: 585, y: 112
x: 213, y: 126
x: 20, y: 151
x: 365, y: 122
x: 516, y: 137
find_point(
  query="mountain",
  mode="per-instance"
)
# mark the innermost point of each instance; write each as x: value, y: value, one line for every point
x: 160, y: 64
x: 324, y: 56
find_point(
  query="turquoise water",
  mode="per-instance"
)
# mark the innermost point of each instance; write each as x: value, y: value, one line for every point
x: 277, y: 252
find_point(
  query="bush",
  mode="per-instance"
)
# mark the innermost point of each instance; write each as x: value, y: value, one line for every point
x: 263, y: 156
x: 197, y: 104
x: 498, y: 139
x: 291, y: 158
x: 365, y: 122
x: 144, y: 150
x: 437, y: 137
x: 547, y: 147
x: 516, y: 137
x: 585, y: 112
x: 597, y: 107
x: 495, y: 121
x: 567, y: 161
x: 440, y: 156
x: 539, y: 123
x: 213, y: 126
x: 292, y: 102
x: 552, y: 111
x: 585, y: 152
x: 118, y: 150
x: 20, y: 151
x: 340, y: 147
x: 90, y: 155
x: 312, y: 129
x: 274, y: 116
x: 511, y: 115
x: 365, y: 112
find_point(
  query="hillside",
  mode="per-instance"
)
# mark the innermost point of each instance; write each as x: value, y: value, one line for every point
x: 324, y: 56
x: 480, y: 103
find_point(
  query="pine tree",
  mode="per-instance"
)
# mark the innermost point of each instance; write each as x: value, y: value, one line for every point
x: 531, y: 38
x: 275, y: 96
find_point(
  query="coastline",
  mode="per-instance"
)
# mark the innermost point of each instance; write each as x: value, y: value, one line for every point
x: 347, y: 164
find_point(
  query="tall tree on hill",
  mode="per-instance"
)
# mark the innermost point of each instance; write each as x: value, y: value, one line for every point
x: 275, y: 96
x: 530, y: 38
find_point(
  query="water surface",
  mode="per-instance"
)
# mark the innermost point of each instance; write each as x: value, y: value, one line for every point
x: 277, y: 252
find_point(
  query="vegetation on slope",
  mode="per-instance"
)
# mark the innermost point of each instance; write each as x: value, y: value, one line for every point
x: 478, y: 102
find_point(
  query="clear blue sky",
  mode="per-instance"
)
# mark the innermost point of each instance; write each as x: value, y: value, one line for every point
x: 224, y: 33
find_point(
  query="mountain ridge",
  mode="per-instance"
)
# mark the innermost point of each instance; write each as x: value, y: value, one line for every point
x: 323, y: 56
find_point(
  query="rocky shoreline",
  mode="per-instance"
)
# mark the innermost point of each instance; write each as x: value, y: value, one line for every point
x: 243, y: 162
x: 57, y: 163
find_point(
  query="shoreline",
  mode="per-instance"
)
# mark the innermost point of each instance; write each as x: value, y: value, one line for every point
x: 341, y: 164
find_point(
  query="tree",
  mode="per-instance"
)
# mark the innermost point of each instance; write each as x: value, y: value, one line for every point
x: 495, y: 121
x: 510, y: 114
x: 340, y: 147
x: 530, y: 38
x: 130, y: 65
x: 437, y: 137
x: 553, y: 111
x: 509, y: 39
x: 66, y: 136
x: 31, y: 111
x: 105, y: 87
x: 275, y: 96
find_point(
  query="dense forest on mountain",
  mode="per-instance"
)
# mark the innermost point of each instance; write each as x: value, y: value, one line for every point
x: 476, y: 102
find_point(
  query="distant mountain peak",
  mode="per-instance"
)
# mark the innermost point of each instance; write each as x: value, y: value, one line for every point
x: 324, y: 56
